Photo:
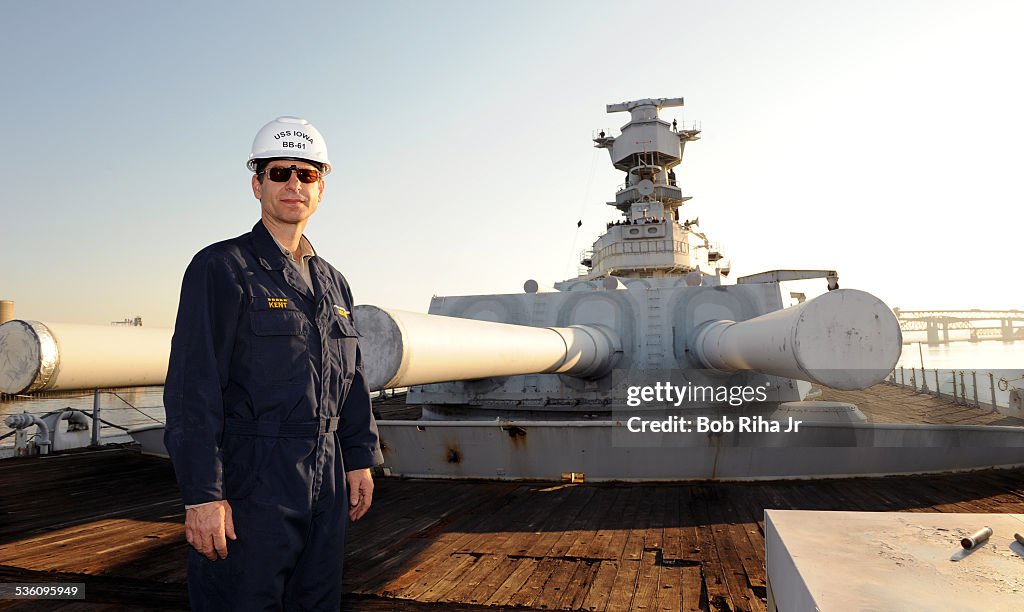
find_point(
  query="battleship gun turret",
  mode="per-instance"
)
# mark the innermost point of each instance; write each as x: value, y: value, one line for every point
x: 845, y: 339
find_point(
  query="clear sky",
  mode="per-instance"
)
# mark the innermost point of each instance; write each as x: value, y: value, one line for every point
x: 879, y: 138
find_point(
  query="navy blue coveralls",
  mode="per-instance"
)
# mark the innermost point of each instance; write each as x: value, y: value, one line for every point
x: 267, y: 407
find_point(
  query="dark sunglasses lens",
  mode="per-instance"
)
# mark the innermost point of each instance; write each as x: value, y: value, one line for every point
x: 279, y: 175
x: 308, y: 176
x: 283, y: 174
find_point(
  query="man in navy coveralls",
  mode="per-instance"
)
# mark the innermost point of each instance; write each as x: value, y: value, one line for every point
x: 269, y: 425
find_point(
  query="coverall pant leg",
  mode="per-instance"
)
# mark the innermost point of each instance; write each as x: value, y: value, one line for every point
x: 284, y: 558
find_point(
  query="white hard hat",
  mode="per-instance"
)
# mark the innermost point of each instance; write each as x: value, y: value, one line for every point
x: 289, y: 137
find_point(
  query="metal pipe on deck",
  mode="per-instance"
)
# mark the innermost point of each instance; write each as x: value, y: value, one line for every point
x: 978, y: 537
x: 53, y: 356
x: 402, y: 348
x: 25, y: 420
x: 845, y: 339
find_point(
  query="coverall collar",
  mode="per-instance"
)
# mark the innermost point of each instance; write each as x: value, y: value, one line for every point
x: 272, y: 256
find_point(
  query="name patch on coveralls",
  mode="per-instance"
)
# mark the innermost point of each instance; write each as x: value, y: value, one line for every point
x: 277, y: 302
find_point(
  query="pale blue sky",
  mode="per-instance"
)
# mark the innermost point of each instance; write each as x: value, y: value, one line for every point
x: 882, y: 139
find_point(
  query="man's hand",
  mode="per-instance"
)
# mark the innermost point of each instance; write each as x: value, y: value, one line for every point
x: 207, y: 525
x: 360, y: 492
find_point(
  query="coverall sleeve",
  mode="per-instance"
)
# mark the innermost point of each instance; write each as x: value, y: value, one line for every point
x: 360, y: 442
x: 197, y: 374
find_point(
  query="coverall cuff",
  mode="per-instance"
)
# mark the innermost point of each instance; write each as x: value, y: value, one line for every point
x: 197, y: 497
x: 190, y: 506
x: 359, y: 459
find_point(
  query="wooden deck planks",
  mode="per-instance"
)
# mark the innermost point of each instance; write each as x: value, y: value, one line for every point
x: 885, y: 403
x: 647, y: 580
x: 694, y: 592
x: 579, y: 586
x: 549, y: 536
x: 589, y: 541
x: 639, y: 510
x: 727, y: 511
x: 522, y: 571
x: 608, y: 539
x: 561, y: 583
x: 670, y: 589
x: 447, y: 577
x: 714, y: 572
x: 488, y: 585
x: 600, y: 590
x: 527, y: 519
x: 114, y: 518
x: 623, y: 585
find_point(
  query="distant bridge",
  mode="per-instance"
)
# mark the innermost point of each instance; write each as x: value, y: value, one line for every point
x: 1001, y: 324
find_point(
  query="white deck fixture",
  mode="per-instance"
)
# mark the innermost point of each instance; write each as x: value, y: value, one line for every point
x: 837, y: 561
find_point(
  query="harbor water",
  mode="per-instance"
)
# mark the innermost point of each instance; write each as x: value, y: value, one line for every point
x: 987, y: 355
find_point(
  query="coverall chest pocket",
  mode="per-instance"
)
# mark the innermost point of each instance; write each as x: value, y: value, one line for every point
x: 345, y: 340
x: 280, y: 349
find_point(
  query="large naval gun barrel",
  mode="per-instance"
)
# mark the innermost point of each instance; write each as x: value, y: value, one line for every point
x: 37, y: 356
x: 845, y: 339
x: 402, y: 349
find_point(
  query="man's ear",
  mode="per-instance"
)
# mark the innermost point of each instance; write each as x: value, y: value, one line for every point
x: 257, y: 187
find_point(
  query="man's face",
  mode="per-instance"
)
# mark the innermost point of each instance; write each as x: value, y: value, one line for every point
x: 289, y: 202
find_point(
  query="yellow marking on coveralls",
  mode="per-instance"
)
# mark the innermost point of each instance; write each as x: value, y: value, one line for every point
x: 277, y: 302
x: 341, y: 311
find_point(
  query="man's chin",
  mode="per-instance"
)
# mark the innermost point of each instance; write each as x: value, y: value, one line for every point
x: 291, y: 216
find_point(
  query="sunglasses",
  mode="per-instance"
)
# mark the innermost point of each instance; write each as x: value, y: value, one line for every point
x: 284, y: 174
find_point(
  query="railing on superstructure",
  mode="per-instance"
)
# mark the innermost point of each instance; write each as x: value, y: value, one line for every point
x: 964, y: 387
x: 603, y: 258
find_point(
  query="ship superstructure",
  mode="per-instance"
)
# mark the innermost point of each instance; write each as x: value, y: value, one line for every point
x: 651, y: 239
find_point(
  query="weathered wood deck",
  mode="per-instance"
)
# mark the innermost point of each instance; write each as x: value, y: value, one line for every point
x: 112, y: 519
x: 890, y: 404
